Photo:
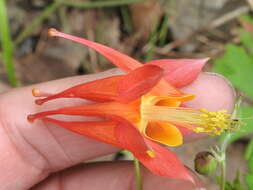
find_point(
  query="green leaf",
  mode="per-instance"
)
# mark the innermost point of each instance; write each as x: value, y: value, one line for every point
x: 249, y: 181
x: 237, y: 66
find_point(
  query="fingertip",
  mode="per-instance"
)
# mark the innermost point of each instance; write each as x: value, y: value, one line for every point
x: 213, y: 92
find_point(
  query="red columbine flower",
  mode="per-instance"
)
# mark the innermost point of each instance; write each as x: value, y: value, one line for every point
x: 140, y: 108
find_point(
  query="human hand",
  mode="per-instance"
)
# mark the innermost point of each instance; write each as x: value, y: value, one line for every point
x: 31, y: 152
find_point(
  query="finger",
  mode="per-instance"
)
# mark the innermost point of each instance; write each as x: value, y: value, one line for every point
x: 213, y: 92
x: 35, y: 150
x: 31, y: 151
x: 111, y: 176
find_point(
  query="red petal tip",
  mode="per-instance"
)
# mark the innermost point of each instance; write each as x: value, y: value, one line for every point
x: 52, y: 32
x: 39, y: 101
x: 180, y: 72
x: 119, y: 59
x: 31, y: 118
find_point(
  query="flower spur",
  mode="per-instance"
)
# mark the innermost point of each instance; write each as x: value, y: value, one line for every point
x: 139, y: 108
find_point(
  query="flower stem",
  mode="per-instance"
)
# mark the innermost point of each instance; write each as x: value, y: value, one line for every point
x: 138, y: 177
x: 225, y: 141
x: 223, y: 175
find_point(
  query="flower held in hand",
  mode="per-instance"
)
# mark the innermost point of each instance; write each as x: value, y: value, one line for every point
x: 140, y: 109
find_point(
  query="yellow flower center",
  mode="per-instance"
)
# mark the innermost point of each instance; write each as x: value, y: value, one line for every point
x: 214, y: 122
x: 198, y: 120
x: 161, y: 116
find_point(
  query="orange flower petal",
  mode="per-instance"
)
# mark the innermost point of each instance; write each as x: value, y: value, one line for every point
x: 138, y: 82
x: 180, y: 72
x: 130, y: 138
x: 157, y: 159
x: 119, y: 59
x: 164, y: 163
x: 106, y: 110
x: 99, y: 90
x: 164, y: 133
x: 174, y: 101
x: 163, y: 88
x: 99, y: 130
x: 171, y: 103
x: 124, y: 135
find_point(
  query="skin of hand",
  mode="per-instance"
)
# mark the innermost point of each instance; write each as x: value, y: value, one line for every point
x: 31, y: 152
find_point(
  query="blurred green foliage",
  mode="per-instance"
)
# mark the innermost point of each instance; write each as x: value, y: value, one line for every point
x: 249, y: 181
x: 237, y: 65
x: 235, y: 184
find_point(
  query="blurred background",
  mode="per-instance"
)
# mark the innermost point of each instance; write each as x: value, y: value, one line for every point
x: 145, y: 30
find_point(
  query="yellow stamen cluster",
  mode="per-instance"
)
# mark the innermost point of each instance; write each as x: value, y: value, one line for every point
x: 214, y: 122
x: 197, y: 120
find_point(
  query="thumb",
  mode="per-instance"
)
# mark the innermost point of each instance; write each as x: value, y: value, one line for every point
x: 112, y: 176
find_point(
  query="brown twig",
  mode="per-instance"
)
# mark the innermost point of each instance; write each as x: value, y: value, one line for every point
x: 229, y: 16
